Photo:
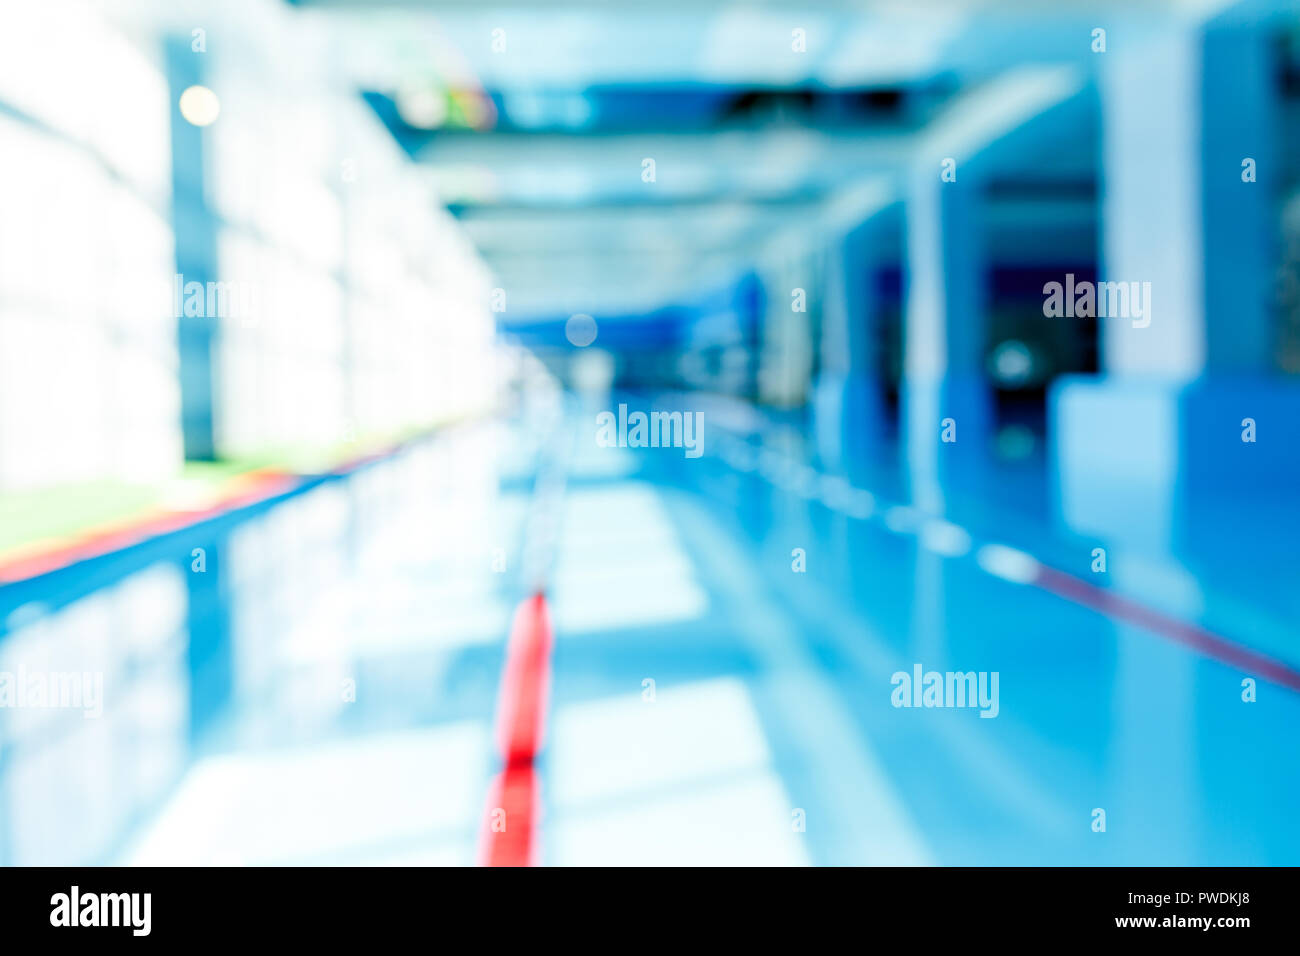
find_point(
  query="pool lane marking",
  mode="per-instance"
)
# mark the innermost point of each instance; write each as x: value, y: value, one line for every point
x: 511, y: 833
x: 512, y: 817
x: 1118, y: 607
x: 1012, y: 564
x: 525, y: 683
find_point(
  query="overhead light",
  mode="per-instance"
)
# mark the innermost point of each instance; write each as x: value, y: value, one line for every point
x: 580, y: 330
x: 200, y: 106
x: 476, y: 110
x: 422, y: 106
x: 1013, y: 364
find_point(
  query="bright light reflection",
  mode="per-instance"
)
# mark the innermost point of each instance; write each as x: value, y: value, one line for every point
x: 621, y: 564
x: 686, y: 779
x: 332, y: 803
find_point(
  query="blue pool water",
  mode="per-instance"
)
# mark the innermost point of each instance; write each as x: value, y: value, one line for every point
x: 314, y: 680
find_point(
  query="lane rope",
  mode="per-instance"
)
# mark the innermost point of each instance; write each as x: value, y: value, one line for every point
x: 511, y: 825
x: 1010, y: 564
x: 511, y: 829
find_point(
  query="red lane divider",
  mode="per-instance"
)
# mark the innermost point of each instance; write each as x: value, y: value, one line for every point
x: 512, y: 819
x: 1189, y: 635
x: 511, y: 831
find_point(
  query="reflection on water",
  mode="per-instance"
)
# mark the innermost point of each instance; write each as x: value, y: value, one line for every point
x: 310, y: 681
x: 314, y: 680
x: 74, y: 782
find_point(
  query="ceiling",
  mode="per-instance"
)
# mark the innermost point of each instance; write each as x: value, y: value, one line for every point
x: 759, y: 134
